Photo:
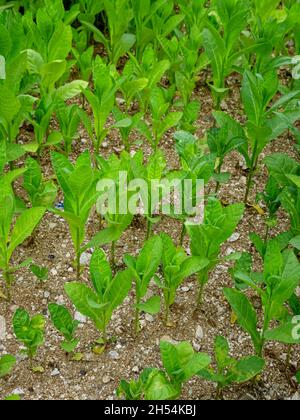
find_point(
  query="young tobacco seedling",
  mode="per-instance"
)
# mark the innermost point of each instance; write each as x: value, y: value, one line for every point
x: 281, y: 277
x: 107, y: 294
x: 101, y: 101
x: 226, y: 138
x: 69, y: 118
x: 13, y: 236
x: 162, y: 119
x: 64, y: 323
x: 78, y: 183
x: 41, y: 273
x: 177, y: 266
x: 196, y: 165
x: 119, y: 15
x: 41, y: 193
x: 180, y: 364
x: 126, y: 129
x: 7, y: 364
x: 143, y: 269
x: 29, y: 331
x: 220, y: 48
x: 206, y: 239
x: 230, y: 370
x: 265, y: 122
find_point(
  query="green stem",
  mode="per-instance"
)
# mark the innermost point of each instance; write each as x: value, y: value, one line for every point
x: 113, y: 255
x: 167, y: 306
x: 182, y: 235
x: 289, y: 356
x: 149, y: 230
x: 200, y: 295
x: 249, y: 182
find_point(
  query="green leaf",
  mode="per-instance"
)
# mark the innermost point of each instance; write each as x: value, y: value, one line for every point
x: 152, y: 306
x: 70, y: 90
x: 248, y: 368
x: 295, y: 242
x: 252, y: 98
x: 245, y: 313
x: 61, y: 43
x: 288, y: 333
x: 7, y: 363
x: 40, y: 272
x: 80, y: 296
x: 62, y: 320
x: 9, y: 104
x: 24, y: 227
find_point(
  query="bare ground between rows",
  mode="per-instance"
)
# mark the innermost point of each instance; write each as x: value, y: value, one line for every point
x: 97, y: 377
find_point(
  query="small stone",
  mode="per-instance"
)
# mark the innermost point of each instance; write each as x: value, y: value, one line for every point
x: 136, y: 369
x: 54, y: 272
x: 60, y: 300
x: 70, y: 270
x: 68, y: 255
x: 199, y: 333
x: 79, y: 317
x: 52, y: 225
x: 13, y: 308
x: 149, y: 318
x: 55, y: 372
x: 185, y: 289
x: 296, y: 397
x: 106, y: 379
x: 105, y: 145
x: 2, y: 328
x: 196, y: 346
x: 18, y: 391
x: 114, y: 355
x: 46, y: 295
x: 169, y: 340
x: 85, y: 258
x: 229, y: 251
x: 235, y: 237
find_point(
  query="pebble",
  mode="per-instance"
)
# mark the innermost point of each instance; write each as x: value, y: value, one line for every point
x: 13, y: 308
x: 46, y: 295
x: 2, y: 328
x: 230, y: 251
x: 85, y: 258
x: 149, y: 318
x: 52, y: 225
x: 296, y: 397
x: 105, y: 145
x: 196, y: 346
x: 70, y: 270
x: 136, y: 369
x: 199, y: 333
x: 18, y: 391
x: 169, y: 340
x: 55, y: 372
x: 79, y: 317
x: 106, y: 379
x: 235, y: 237
x: 185, y: 289
x: 54, y: 272
x: 60, y: 300
x: 114, y: 355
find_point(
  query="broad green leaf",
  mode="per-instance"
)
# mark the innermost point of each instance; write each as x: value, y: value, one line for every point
x: 288, y: 333
x: 245, y: 313
x: 24, y: 227
x: 152, y: 306
x: 7, y: 363
x: 248, y: 368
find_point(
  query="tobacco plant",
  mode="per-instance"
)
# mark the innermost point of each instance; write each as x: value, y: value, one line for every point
x: 78, y: 183
x: 142, y: 269
x: 108, y: 292
x: 14, y: 234
x: 66, y: 325
x: 230, y: 370
x: 180, y: 364
x: 29, y: 331
x: 206, y: 239
x: 176, y: 267
x: 281, y: 277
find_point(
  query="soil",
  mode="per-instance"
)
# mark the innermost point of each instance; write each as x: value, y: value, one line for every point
x: 98, y: 376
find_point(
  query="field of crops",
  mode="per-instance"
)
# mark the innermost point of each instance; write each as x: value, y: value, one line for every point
x: 149, y: 199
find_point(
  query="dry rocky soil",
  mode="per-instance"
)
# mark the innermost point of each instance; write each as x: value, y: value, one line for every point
x: 98, y: 376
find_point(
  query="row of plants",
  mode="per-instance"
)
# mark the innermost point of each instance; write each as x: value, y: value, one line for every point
x: 54, y: 82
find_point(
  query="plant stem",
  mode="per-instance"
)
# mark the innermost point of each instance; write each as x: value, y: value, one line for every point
x: 113, y: 255
x: 182, y: 235
x: 289, y: 356
x: 249, y: 182
x: 149, y: 230
x: 200, y: 295
x: 167, y: 305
